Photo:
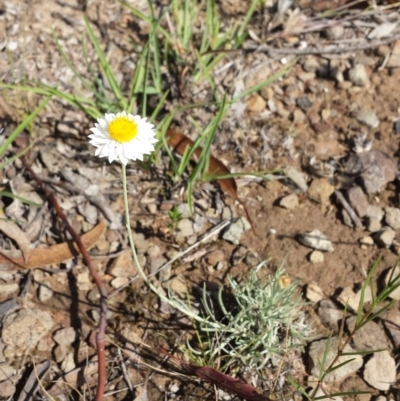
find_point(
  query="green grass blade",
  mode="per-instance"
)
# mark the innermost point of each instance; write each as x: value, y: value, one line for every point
x: 23, y: 200
x: 27, y: 120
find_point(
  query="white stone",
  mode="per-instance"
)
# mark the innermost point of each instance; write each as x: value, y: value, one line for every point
x: 316, y: 257
x: 289, y: 201
x: 45, y: 292
x: 380, y: 371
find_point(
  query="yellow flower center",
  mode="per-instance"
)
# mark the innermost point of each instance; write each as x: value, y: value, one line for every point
x: 122, y: 129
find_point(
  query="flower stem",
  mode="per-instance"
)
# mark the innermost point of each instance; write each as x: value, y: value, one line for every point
x: 188, y: 312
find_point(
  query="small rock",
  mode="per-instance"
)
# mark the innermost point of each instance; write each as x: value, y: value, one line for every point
x: 289, y: 201
x: 65, y: 336
x: 329, y: 314
x: 122, y: 266
x: 304, y: 102
x: 228, y: 213
x: 141, y: 243
x: 178, y: 286
x: 392, y: 217
x: 238, y: 255
x: 378, y: 169
x: 319, y: 352
x: 393, y: 275
x: 6, y: 371
x: 152, y: 208
x: 281, y: 111
x: 368, y: 240
x: 373, y: 225
x: 320, y: 190
x: 184, y: 210
x: 7, y: 389
x: 298, y: 117
x: 316, y: 257
x: 45, y: 293
x: 84, y: 281
x: 369, y: 337
x: 256, y: 104
x: 385, y: 237
x: 60, y: 353
x: 7, y: 289
x: 297, y: 178
x: 316, y: 240
x: 93, y: 295
x: 311, y: 64
x: 375, y: 212
x: 119, y: 282
x: 199, y: 223
x: 68, y: 363
x: 358, y: 75
x: 251, y: 258
x: 234, y: 231
x: 185, y: 228
x: 335, y: 32
x: 314, y: 293
x: 358, y: 200
x: 380, y: 371
x: 25, y: 328
x: 215, y: 257
x: 391, y: 320
x: 368, y: 118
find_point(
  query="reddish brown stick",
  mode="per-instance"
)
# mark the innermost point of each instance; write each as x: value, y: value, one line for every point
x: 101, y: 335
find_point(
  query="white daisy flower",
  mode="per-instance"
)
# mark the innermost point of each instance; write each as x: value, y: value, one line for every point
x: 123, y: 137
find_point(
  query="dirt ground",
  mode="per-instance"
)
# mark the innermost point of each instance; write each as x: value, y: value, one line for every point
x: 269, y: 130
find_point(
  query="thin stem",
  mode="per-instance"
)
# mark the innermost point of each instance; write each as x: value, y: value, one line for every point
x: 175, y: 305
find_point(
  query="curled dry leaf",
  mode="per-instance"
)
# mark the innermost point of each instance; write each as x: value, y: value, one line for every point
x: 221, y: 380
x: 12, y: 231
x: 179, y: 142
x: 55, y: 254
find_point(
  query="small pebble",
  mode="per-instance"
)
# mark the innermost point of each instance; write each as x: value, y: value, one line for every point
x: 184, y: 228
x: 368, y: 118
x: 317, y: 240
x: 316, y: 257
x: 314, y: 293
x: 320, y: 190
x: 289, y: 201
x: 377, y: 170
x: 373, y: 225
x: 358, y: 75
x: 375, y: 212
x: 358, y: 200
x: 392, y: 217
x: 234, y: 231
x: 297, y: 178
x: 380, y: 371
x: 66, y: 336
x: 385, y: 237
x: 119, y: 282
x: 214, y: 257
x: 367, y: 241
x: 45, y: 293
x: 304, y: 102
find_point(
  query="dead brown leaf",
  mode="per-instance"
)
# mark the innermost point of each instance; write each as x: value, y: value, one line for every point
x: 55, y: 254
